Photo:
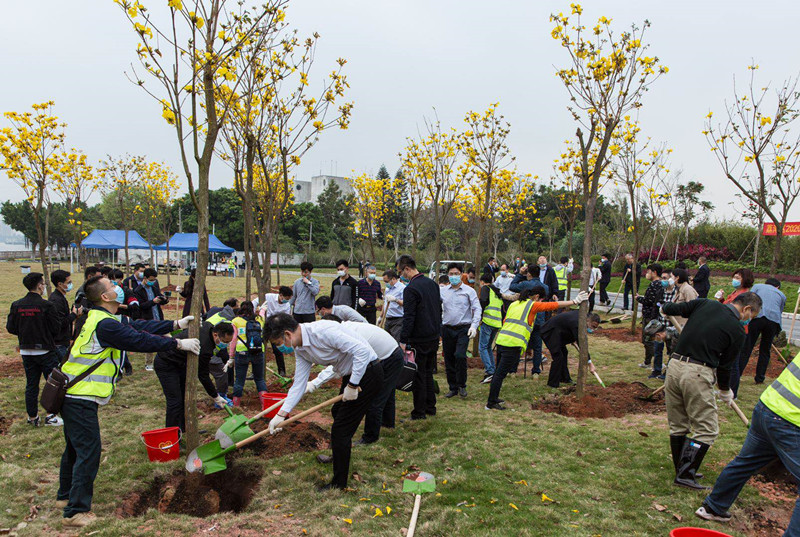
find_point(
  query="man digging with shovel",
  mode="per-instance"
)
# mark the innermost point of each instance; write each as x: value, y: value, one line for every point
x: 326, y: 343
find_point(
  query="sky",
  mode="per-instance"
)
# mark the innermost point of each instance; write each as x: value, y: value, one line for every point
x: 406, y: 59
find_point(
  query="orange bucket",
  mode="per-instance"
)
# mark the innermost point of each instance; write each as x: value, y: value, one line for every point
x: 269, y: 399
x: 696, y: 532
x: 162, y: 444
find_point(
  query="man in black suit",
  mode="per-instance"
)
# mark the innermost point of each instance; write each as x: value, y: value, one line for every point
x: 631, y: 274
x: 605, y: 278
x: 150, y: 300
x: 562, y: 330
x: 491, y: 268
x: 700, y: 282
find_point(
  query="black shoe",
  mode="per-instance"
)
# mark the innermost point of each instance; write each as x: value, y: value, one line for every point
x: 324, y: 459
x: 706, y: 513
x: 129, y: 370
x: 413, y: 418
x: 430, y: 413
x: 654, y: 375
x: 451, y: 393
x: 361, y: 442
x: 329, y: 486
x: 462, y: 392
x: 494, y: 406
x: 690, y: 460
x: 33, y: 421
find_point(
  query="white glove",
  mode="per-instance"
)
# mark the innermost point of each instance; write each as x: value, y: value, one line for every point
x: 726, y: 397
x: 220, y: 401
x: 350, y: 393
x: 378, y: 320
x: 178, y: 288
x: 719, y: 294
x: 391, y: 298
x: 310, y: 387
x: 183, y: 323
x: 472, y: 332
x: 583, y: 296
x: 274, y: 423
x: 362, y: 302
x: 189, y: 345
x: 228, y: 365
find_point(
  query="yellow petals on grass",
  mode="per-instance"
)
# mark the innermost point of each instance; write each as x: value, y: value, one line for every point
x: 521, y: 482
x: 514, y: 507
x: 378, y: 512
x: 545, y: 498
x: 348, y: 520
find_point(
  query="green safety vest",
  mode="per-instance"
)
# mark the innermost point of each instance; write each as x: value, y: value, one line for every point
x: 783, y: 395
x: 493, y: 313
x: 561, y: 275
x: 516, y: 331
x: 85, y: 352
x: 216, y: 319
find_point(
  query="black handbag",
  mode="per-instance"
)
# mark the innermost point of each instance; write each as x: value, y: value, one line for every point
x: 405, y: 380
x: 55, y: 389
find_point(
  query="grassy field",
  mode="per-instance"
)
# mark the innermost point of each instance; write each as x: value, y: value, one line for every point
x: 605, y: 477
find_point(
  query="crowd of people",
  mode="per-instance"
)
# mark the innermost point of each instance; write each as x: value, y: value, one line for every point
x: 367, y: 331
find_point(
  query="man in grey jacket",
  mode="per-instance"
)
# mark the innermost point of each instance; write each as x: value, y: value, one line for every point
x: 305, y: 290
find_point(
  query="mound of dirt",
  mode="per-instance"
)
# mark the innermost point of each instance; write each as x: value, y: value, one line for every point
x: 5, y: 424
x: 774, y: 369
x: 621, y: 334
x: 615, y: 401
x: 194, y: 494
x: 297, y: 437
x: 11, y: 366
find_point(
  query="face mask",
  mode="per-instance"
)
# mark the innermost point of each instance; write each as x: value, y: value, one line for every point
x: 454, y: 280
x: 744, y: 323
x: 543, y: 266
x: 389, y: 285
x: 503, y: 273
x: 120, y: 294
x: 222, y: 345
x: 471, y: 280
x: 69, y: 287
x: 282, y: 301
x: 340, y: 273
x: 664, y: 283
x: 371, y: 276
x: 404, y: 279
x: 671, y: 282
x: 736, y: 283
x: 150, y: 283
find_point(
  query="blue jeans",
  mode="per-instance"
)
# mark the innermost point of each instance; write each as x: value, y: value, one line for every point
x: 243, y: 361
x: 769, y: 436
x: 658, y: 356
x: 485, y: 347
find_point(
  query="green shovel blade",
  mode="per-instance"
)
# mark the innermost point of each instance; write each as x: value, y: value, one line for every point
x: 212, y: 457
x: 234, y: 429
x: 423, y: 482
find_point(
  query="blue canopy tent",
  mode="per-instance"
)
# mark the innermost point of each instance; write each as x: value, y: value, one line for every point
x: 187, y: 242
x: 114, y: 239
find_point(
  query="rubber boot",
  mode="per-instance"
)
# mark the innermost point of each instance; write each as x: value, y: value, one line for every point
x: 237, y: 401
x: 676, y: 446
x: 691, y: 458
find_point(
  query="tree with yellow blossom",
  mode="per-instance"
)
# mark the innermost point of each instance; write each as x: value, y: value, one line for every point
x: 606, y: 77
x: 30, y: 149
x: 757, y: 144
x: 121, y: 186
x: 75, y: 183
x: 159, y: 187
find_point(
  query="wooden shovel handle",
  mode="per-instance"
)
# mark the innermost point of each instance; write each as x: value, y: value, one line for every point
x: 739, y: 412
x: 265, y: 412
x: 657, y: 391
x: 303, y: 414
x: 675, y: 323
x: 412, y: 526
x: 599, y: 379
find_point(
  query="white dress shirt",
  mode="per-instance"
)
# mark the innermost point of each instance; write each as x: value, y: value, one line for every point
x: 504, y: 282
x: 380, y: 340
x: 346, y: 313
x: 272, y: 305
x: 394, y: 310
x: 460, y: 305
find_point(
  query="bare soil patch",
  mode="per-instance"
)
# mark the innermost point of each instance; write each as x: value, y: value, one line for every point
x: 11, y: 366
x: 296, y: 438
x: 615, y: 401
x: 5, y: 424
x: 621, y: 334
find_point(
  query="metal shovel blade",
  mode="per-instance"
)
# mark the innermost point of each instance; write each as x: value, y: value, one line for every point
x: 208, y: 458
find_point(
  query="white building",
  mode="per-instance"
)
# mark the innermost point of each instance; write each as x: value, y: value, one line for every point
x: 309, y: 191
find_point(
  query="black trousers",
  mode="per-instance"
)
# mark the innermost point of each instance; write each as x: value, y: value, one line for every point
x: 81, y: 458
x: 561, y: 293
x: 36, y: 366
x: 346, y: 418
x: 648, y: 345
x: 559, y: 367
x: 454, y: 349
x: 173, y: 382
x: 279, y: 360
x: 423, y: 391
x: 629, y: 289
x: 304, y: 317
x: 767, y: 330
x: 382, y: 410
x: 603, y: 292
x: 507, y: 363
x: 369, y: 313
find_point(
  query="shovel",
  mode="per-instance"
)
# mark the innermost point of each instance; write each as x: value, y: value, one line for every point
x: 594, y: 372
x: 417, y: 484
x: 283, y: 380
x: 619, y: 292
x: 616, y: 320
x: 236, y: 427
x: 210, y: 458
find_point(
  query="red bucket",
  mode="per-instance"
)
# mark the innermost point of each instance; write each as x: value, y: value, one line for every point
x: 269, y: 399
x: 162, y: 444
x: 696, y: 532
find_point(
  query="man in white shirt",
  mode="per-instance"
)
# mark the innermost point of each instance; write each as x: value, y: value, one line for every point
x: 594, y: 280
x: 326, y: 343
x: 503, y: 280
x: 325, y: 306
x: 394, y: 300
x: 279, y: 302
x: 461, y: 315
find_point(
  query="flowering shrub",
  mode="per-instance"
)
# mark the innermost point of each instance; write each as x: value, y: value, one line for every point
x: 688, y: 251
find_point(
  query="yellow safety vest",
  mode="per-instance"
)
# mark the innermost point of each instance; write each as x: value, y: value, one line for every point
x: 493, y: 313
x: 240, y: 324
x: 561, y: 276
x: 783, y: 395
x: 516, y: 331
x: 85, y: 352
x: 216, y: 319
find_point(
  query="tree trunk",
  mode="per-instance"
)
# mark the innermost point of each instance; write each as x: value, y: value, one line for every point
x: 776, y: 252
x: 583, y: 339
x: 278, y: 255
x: 247, y: 273
x: 42, y: 238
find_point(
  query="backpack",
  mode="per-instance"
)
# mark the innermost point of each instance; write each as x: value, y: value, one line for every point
x: 253, y: 340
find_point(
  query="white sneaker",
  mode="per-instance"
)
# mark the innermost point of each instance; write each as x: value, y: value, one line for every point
x: 148, y: 367
x: 709, y: 515
x: 53, y: 420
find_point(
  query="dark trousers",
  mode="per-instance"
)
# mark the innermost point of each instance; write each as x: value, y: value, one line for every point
x: 649, y: 351
x: 561, y: 293
x: 304, y: 317
x: 507, y: 363
x: 394, y: 325
x: 221, y: 381
x: 423, y: 391
x: 243, y: 361
x: 559, y: 367
x: 36, y: 366
x: 346, y: 418
x: 603, y: 292
x: 382, y: 410
x: 173, y: 382
x: 591, y: 300
x: 454, y: 349
x: 535, y: 345
x: 81, y: 458
x: 629, y: 289
x: 369, y: 313
x: 736, y: 374
x: 279, y: 360
x: 768, y: 330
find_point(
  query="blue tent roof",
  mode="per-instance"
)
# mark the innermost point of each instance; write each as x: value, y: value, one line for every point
x: 114, y: 239
x: 187, y: 242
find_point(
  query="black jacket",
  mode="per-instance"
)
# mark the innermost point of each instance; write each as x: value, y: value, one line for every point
x: 651, y: 301
x: 490, y: 270
x: 207, y: 350
x: 130, y: 283
x: 422, y: 311
x: 146, y: 305
x: 350, y: 282
x: 561, y: 330
x: 605, y: 272
x: 550, y: 280
x: 64, y: 335
x: 700, y: 281
x: 35, y: 321
x: 629, y: 272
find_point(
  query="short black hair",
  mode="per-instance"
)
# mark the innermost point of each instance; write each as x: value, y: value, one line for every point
x: 105, y: 270
x: 485, y: 278
x: 90, y: 272
x: 536, y: 290
x: 94, y: 288
x: 655, y: 267
x: 223, y: 329
x: 592, y: 317
x: 137, y: 266
x: 490, y: 259
x: 305, y: 265
x: 774, y: 282
x: 246, y: 310
x: 392, y: 275
x: 331, y: 317
x: 749, y: 298
x: 457, y: 266
x: 285, y: 291
x: 681, y: 275
x: 32, y: 280
x: 564, y: 259
x: 404, y: 261
x: 116, y: 274
x: 232, y: 302
x: 343, y: 262
x: 59, y: 276
x: 148, y: 272
x: 324, y: 302
x: 277, y: 324
x: 607, y: 256
x: 444, y: 278
x: 471, y: 270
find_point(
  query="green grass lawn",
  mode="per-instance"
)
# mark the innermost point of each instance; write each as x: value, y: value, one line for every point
x: 492, y: 468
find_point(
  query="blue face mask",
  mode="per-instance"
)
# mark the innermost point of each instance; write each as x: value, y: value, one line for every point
x: 389, y: 286
x: 736, y: 283
x: 543, y: 266
x: 69, y: 287
x: 664, y: 283
x: 503, y: 273
x: 471, y: 280
x: 744, y: 323
x: 151, y: 283
x: 404, y: 279
x: 120, y: 294
x: 454, y: 280
x: 222, y: 345
x: 371, y: 276
x: 285, y: 349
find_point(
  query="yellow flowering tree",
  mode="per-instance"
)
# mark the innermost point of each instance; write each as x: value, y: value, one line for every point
x: 516, y: 210
x: 75, y: 183
x: 606, y: 76
x: 122, y: 179
x: 159, y: 187
x: 29, y: 149
x: 757, y: 145
x: 371, y: 204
